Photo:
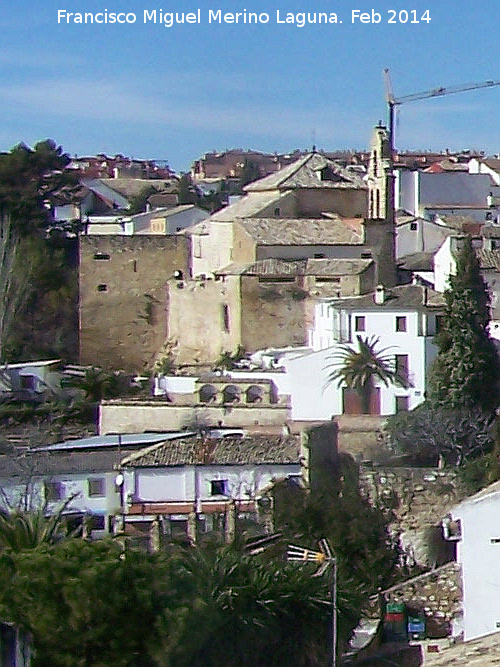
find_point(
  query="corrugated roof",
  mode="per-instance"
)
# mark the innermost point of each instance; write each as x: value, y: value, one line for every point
x: 221, y: 451
x: 306, y: 173
x: 300, y: 231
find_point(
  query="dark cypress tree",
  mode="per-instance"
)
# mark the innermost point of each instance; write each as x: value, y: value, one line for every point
x: 466, y: 372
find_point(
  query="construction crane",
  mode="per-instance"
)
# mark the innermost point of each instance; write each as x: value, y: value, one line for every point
x: 393, y: 102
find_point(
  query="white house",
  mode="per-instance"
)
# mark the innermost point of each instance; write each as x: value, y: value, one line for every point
x: 488, y: 252
x: 475, y: 526
x: 427, y: 194
x: 405, y: 319
x: 80, y: 473
x: 202, y: 480
x: 416, y: 235
x: 30, y: 378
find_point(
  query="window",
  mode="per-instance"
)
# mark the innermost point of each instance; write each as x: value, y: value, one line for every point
x: 226, y: 323
x: 134, y: 265
x: 366, y: 255
x: 97, y: 487
x: 101, y: 255
x: 218, y: 487
x: 402, y: 403
x: 402, y: 367
x: 95, y: 522
x: 359, y: 323
x: 439, y: 323
x: 413, y: 226
x: 53, y: 491
x: 102, y: 287
x: 400, y: 323
x: 319, y: 255
x: 197, y: 246
x: 328, y: 279
x: 277, y: 211
x: 27, y: 382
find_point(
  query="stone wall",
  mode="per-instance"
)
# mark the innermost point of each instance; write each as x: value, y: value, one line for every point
x: 122, y: 306
x: 128, y: 416
x: 204, y: 319
x: 437, y: 593
x: 418, y: 498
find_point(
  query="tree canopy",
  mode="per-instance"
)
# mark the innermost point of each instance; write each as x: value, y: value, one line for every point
x: 466, y: 372
x: 30, y: 178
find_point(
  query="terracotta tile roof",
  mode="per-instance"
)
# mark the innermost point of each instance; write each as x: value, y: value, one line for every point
x: 300, y: 231
x: 489, y: 259
x: 306, y: 173
x: 221, y: 451
x: 402, y: 297
x: 299, y: 267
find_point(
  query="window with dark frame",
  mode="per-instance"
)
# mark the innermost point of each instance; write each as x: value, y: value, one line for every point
x: 226, y: 322
x: 402, y: 370
x: 102, y: 287
x: 101, y: 255
x: 359, y: 323
x: 218, y: 487
x: 53, y: 491
x: 400, y: 323
x: 97, y: 487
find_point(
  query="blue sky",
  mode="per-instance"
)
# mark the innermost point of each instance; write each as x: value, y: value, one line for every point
x: 150, y: 91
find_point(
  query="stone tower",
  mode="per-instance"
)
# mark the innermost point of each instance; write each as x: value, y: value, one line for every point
x: 380, y: 226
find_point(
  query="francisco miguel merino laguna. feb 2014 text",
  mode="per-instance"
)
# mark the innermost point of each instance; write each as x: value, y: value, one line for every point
x: 299, y: 19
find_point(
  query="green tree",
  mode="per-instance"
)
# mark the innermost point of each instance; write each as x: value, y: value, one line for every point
x: 186, y: 192
x: 357, y: 530
x: 249, y: 172
x: 466, y: 372
x: 21, y: 530
x: 359, y: 369
x: 431, y: 433
x: 236, y: 609
x: 85, y: 603
x: 139, y: 201
x: 28, y: 180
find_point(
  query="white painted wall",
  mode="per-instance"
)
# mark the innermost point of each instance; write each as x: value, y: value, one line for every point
x: 312, y: 396
x: 13, y: 492
x: 480, y: 558
x: 190, y: 483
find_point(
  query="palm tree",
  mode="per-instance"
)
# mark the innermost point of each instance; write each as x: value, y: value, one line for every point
x: 360, y: 369
x: 20, y: 530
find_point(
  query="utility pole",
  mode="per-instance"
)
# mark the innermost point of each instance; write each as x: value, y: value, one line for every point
x: 325, y: 557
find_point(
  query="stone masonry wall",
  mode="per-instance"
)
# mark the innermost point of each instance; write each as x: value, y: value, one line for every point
x: 437, y: 593
x: 419, y: 498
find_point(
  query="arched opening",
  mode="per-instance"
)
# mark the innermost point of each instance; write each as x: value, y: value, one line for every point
x: 208, y: 393
x: 255, y: 394
x: 231, y: 394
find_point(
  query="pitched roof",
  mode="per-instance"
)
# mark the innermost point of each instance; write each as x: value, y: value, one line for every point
x: 301, y: 231
x: 402, y: 297
x: 33, y: 464
x: 229, y: 450
x: 311, y: 171
x: 488, y: 259
x: 298, y: 267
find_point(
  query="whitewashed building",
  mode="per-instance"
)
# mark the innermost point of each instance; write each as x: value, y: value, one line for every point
x: 475, y: 526
x: 405, y: 320
x: 199, y: 484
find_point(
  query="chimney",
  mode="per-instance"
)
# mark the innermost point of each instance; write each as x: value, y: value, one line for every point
x: 379, y: 296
